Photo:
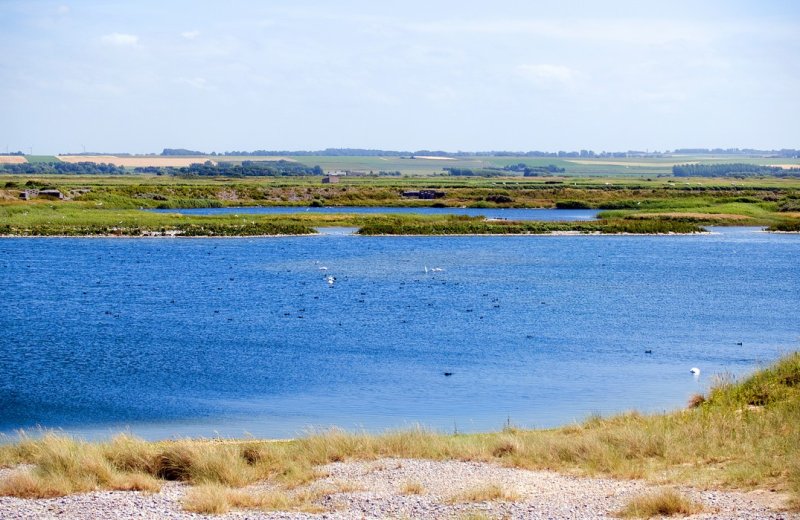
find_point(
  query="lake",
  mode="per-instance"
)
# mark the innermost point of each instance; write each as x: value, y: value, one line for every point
x: 505, y: 213
x: 213, y: 336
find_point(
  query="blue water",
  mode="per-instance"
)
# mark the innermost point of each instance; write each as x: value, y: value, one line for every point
x: 201, y: 337
x: 506, y: 213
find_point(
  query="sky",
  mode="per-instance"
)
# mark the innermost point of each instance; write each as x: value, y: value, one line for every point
x: 609, y: 75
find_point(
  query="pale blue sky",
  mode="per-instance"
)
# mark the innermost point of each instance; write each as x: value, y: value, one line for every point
x: 504, y: 75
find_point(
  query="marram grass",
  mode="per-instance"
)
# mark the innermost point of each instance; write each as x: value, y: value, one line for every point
x: 660, y: 503
x: 744, y: 435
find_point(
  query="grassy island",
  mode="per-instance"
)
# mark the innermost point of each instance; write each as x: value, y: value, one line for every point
x: 107, y: 206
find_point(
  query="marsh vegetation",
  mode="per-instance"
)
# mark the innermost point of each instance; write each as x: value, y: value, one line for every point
x: 114, y: 205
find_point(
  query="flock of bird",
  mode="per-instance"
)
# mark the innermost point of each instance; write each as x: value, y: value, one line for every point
x: 332, y: 280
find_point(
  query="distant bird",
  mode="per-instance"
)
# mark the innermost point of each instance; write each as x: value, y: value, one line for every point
x: 448, y: 374
x: 695, y: 371
x: 330, y: 279
x: 648, y: 351
x: 739, y: 343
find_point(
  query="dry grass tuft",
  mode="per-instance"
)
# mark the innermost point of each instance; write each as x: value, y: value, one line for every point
x: 136, y: 482
x: 25, y: 484
x: 696, y: 400
x: 341, y: 486
x: 412, y: 487
x: 507, y: 444
x: 475, y: 515
x: 486, y: 493
x: 664, y: 502
x: 207, y: 500
x: 204, y: 463
x: 215, y: 499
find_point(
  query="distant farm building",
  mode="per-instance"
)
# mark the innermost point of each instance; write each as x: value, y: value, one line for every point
x: 29, y: 194
x: 330, y: 179
x: 424, y: 194
x: 348, y: 173
x: 51, y: 193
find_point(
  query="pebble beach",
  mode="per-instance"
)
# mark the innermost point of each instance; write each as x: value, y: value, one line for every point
x: 379, y: 490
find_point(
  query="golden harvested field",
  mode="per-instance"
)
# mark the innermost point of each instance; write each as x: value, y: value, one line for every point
x: 134, y: 162
x: 12, y: 159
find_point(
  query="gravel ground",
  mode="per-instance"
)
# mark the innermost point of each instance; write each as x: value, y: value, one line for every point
x: 372, y: 490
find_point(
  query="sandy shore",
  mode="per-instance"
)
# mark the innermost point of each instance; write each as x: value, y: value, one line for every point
x: 373, y: 490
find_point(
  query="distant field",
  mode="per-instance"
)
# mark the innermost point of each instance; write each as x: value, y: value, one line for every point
x: 430, y: 166
x: 41, y: 158
x: 639, y: 162
x: 136, y: 161
x: 12, y: 159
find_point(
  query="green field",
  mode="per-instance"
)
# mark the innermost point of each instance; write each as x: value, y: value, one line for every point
x: 640, y: 167
x: 417, y: 166
x: 41, y: 158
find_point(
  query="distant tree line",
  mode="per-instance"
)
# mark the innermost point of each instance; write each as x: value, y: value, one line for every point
x: 731, y: 170
x: 524, y: 169
x: 364, y: 152
x: 533, y: 171
x: 246, y: 169
x: 783, y: 152
x: 180, y: 151
x: 584, y: 154
x: 207, y: 169
x: 479, y: 172
x: 65, y: 168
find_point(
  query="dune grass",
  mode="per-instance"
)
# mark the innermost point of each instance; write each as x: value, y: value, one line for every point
x: 663, y: 502
x: 412, y: 487
x: 743, y: 434
x: 486, y: 493
x: 215, y: 499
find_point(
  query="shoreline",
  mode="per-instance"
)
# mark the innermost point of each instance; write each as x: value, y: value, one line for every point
x: 548, y: 234
x: 588, y: 470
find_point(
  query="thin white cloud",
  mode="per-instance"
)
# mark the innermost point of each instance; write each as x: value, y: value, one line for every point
x: 197, y: 82
x: 623, y: 30
x: 63, y: 9
x: 120, y: 39
x: 190, y: 35
x: 545, y: 74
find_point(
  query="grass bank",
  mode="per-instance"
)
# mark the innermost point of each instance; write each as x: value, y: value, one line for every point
x: 47, y: 218
x: 744, y: 434
x: 78, y: 219
x: 462, y: 225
